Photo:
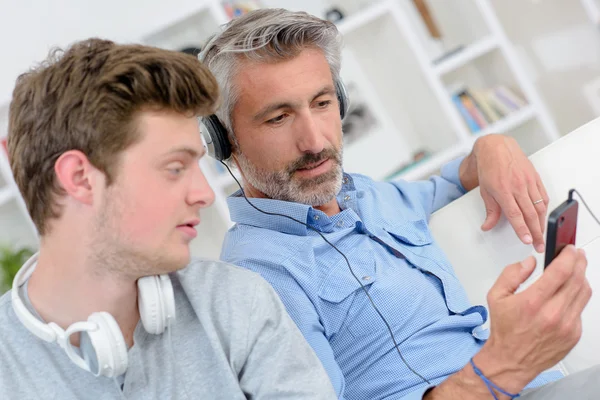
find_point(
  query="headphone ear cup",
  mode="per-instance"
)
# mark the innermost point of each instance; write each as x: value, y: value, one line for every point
x: 215, y: 136
x: 342, y: 96
x: 150, y: 304
x: 156, y: 302
x: 168, y: 299
x: 109, y: 345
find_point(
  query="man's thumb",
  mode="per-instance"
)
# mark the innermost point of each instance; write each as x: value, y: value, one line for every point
x: 512, y: 277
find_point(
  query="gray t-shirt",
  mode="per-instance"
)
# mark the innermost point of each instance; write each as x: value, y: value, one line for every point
x: 232, y: 339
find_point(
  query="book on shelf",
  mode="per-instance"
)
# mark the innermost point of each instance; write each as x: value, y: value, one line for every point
x: 481, y: 107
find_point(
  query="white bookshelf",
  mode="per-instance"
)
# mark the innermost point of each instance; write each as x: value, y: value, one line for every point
x: 473, y: 51
x: 387, y: 40
x: 432, y: 165
x: 509, y: 122
x: 358, y: 20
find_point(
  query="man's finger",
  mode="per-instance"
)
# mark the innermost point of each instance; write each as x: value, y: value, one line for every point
x: 515, y: 217
x: 492, y: 210
x: 530, y: 218
x: 581, y: 285
x: 540, y: 208
x: 562, y: 302
x: 544, y: 195
x: 511, y: 278
x: 557, y: 274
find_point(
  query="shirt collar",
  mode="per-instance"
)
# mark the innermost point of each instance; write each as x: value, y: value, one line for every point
x: 243, y: 213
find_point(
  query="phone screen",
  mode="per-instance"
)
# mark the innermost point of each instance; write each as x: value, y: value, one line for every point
x: 562, y: 229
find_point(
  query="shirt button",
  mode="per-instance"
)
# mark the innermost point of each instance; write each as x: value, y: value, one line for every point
x: 316, y: 217
x: 340, y: 224
x: 347, y: 198
x: 366, y: 278
x: 345, y: 181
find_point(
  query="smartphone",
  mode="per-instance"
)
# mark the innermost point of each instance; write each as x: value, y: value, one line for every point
x: 562, y: 229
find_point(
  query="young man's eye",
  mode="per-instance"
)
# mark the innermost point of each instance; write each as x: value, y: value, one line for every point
x: 175, y: 170
x: 324, y: 104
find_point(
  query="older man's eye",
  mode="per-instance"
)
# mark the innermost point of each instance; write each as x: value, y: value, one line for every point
x: 277, y: 120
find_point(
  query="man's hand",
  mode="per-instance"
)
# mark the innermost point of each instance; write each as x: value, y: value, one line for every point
x: 508, y: 183
x: 533, y: 330
x: 530, y: 331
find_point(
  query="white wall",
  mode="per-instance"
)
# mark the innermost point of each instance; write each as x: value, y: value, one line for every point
x: 29, y: 28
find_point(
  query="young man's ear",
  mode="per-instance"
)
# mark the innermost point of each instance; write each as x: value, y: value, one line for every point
x: 76, y: 175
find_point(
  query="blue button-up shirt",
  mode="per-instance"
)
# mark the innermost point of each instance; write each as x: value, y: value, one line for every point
x: 383, y: 231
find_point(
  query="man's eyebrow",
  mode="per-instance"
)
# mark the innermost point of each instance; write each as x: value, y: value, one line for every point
x: 325, y: 90
x: 188, y: 150
x: 262, y: 114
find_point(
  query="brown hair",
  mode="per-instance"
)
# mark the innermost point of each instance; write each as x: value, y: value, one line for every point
x: 86, y: 98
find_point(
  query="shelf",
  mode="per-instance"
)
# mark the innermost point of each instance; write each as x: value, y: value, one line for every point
x: 511, y: 121
x: 6, y: 194
x: 363, y: 17
x: 466, y: 55
x: 431, y: 164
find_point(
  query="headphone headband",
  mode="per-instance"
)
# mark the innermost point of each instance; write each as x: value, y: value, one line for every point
x: 156, y: 302
x: 43, y: 331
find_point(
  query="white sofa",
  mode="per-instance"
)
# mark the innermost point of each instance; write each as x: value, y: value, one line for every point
x: 478, y: 257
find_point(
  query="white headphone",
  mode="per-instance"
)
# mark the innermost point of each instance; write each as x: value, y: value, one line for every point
x: 156, y: 304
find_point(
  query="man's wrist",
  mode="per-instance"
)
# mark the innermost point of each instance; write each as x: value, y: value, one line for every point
x: 505, y: 374
x: 464, y: 385
x: 467, y: 385
x: 467, y: 172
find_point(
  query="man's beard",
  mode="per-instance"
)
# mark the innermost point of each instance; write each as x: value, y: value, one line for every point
x: 284, y: 185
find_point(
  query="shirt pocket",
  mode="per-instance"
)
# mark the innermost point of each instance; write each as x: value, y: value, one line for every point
x: 417, y: 245
x: 342, y: 297
x: 412, y: 233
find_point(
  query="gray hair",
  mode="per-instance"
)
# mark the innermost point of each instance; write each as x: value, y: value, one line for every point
x: 266, y: 35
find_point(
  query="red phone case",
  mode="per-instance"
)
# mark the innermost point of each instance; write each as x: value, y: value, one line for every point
x: 562, y: 229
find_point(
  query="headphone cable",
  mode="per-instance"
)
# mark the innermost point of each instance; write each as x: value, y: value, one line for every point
x: 396, y: 345
x: 584, y: 203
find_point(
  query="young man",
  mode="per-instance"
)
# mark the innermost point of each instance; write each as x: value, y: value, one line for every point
x: 104, y: 145
x: 282, y: 102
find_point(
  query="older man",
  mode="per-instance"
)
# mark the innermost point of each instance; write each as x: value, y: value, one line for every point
x: 353, y: 259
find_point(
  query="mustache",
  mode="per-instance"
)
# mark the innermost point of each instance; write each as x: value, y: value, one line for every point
x: 311, y: 158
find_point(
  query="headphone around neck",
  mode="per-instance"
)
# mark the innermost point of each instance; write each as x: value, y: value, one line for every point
x: 156, y: 303
x: 215, y: 134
